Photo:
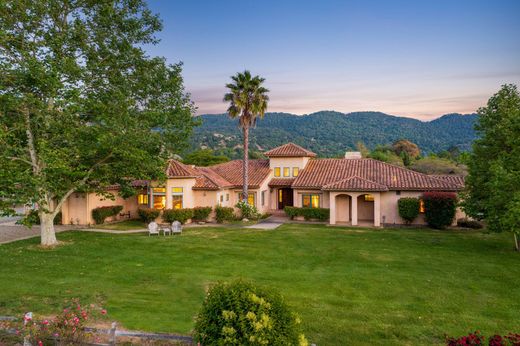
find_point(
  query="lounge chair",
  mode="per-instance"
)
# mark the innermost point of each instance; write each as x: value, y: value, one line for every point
x: 176, y: 227
x: 153, y: 228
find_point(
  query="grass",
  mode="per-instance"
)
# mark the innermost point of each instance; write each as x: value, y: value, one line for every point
x: 350, y: 286
x: 126, y: 225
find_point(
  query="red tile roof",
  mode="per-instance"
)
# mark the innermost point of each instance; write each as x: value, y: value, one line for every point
x: 321, y: 172
x: 289, y: 150
x: 452, y: 178
x: 355, y: 184
x: 176, y: 169
x: 281, y: 182
x: 232, y: 172
x: 210, y: 180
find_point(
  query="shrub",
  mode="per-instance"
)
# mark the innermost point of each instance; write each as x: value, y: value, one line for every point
x: 408, y: 208
x: 181, y: 215
x: 224, y: 214
x: 247, y: 211
x: 321, y: 214
x: 468, y: 223
x: 477, y: 338
x: 148, y: 215
x: 239, y: 313
x: 201, y: 213
x: 100, y: 214
x: 440, y: 208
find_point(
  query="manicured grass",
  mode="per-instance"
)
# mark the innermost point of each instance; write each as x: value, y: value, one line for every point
x: 350, y: 286
x: 127, y: 225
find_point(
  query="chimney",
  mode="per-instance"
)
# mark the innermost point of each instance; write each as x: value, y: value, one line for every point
x: 353, y: 155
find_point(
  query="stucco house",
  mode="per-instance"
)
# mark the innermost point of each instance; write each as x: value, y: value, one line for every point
x: 357, y: 190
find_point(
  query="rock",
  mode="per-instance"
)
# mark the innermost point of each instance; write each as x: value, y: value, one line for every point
x: 245, y: 220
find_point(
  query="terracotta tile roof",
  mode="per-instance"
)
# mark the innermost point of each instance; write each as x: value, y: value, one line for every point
x: 321, y: 172
x: 210, y: 180
x: 232, y: 172
x: 289, y: 150
x: 176, y: 169
x: 452, y: 178
x: 355, y: 184
x: 281, y: 182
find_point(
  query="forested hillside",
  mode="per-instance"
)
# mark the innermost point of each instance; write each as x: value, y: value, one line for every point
x: 330, y: 133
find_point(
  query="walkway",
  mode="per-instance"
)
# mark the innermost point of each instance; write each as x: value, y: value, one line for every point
x: 270, y: 223
x: 10, y: 232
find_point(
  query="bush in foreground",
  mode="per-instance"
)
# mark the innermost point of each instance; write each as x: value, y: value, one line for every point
x: 440, y: 208
x: 408, y: 208
x: 201, y: 213
x: 148, y: 215
x: 181, y: 215
x: 240, y: 313
x: 100, y: 214
x: 468, y: 223
x: 320, y: 214
x: 477, y: 338
x: 247, y: 210
x: 224, y: 214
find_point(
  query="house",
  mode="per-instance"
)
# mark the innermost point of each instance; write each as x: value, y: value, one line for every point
x: 357, y: 190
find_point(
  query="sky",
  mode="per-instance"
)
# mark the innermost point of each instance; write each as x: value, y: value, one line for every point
x: 419, y: 59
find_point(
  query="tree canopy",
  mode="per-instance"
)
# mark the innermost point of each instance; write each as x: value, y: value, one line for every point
x: 81, y: 104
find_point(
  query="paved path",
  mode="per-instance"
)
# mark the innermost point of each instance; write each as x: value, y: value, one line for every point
x: 10, y: 232
x: 270, y: 223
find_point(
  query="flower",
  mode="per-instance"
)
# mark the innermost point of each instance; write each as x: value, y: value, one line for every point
x: 45, y: 322
x: 103, y: 312
x: 40, y: 343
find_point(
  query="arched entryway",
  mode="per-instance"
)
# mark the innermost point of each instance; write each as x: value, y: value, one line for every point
x: 365, y: 208
x: 343, y: 208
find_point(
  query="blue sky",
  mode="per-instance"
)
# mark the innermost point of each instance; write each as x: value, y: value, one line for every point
x: 417, y: 58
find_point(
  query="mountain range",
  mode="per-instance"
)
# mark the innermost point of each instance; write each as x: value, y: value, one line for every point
x: 330, y: 133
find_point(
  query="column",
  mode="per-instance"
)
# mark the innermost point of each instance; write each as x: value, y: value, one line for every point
x: 332, y: 207
x: 377, y: 209
x: 354, y: 197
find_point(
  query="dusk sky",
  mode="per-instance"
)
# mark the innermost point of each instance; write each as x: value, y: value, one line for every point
x: 418, y: 59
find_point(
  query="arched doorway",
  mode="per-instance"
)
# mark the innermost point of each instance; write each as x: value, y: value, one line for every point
x: 365, y: 207
x: 343, y: 208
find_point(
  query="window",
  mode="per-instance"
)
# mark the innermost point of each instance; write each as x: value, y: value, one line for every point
x: 277, y: 171
x: 311, y: 201
x: 250, y: 198
x: 295, y: 171
x: 398, y: 193
x: 280, y: 195
x: 227, y: 197
x: 159, y: 197
x: 369, y: 198
x: 286, y: 172
x: 221, y: 198
x: 263, y: 198
x: 142, y: 199
x: 177, y: 197
x: 421, y: 205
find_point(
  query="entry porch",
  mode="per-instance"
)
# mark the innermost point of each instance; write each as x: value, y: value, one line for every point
x: 358, y: 208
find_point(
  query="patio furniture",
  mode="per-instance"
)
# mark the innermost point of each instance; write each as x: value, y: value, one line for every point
x: 166, y: 229
x: 153, y: 228
x: 176, y: 227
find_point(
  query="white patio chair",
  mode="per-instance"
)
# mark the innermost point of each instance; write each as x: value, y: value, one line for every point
x: 153, y: 228
x: 176, y: 227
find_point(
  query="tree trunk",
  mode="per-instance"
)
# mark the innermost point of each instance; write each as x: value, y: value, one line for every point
x: 246, y: 164
x: 48, y: 236
x: 517, y: 242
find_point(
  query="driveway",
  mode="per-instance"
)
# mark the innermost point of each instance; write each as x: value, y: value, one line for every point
x: 10, y: 232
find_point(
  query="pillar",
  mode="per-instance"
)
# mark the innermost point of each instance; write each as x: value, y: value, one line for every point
x: 332, y: 206
x: 377, y: 209
x: 354, y: 212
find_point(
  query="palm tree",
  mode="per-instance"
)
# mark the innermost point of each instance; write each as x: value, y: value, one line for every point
x: 247, y: 101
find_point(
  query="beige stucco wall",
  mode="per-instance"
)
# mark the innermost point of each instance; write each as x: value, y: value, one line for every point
x: 389, y: 210
x: 365, y: 209
x: 342, y: 208
x: 289, y: 162
x: 188, y: 196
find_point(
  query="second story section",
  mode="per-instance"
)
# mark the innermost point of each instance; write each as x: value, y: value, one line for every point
x: 288, y: 160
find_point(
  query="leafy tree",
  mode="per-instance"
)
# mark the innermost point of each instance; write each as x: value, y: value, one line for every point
x: 493, y: 184
x: 81, y: 103
x: 436, y: 165
x: 403, y: 145
x: 204, y: 157
x: 247, y: 101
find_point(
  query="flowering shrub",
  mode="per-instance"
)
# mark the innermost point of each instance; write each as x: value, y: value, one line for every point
x: 100, y: 214
x: 224, y: 214
x: 201, y: 213
x: 477, y: 338
x: 181, y: 215
x: 440, y: 208
x: 239, y: 313
x: 247, y: 211
x: 67, y: 328
x: 148, y: 214
x: 408, y: 208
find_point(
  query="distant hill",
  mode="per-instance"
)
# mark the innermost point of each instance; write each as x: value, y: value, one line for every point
x: 330, y: 133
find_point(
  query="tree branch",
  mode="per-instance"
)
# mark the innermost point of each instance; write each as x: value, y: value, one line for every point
x: 12, y: 158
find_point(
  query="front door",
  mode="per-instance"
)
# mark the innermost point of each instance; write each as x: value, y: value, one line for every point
x: 285, y: 198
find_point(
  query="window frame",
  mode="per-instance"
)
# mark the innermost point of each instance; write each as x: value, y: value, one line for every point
x: 288, y: 171
x: 277, y: 172
x: 311, y: 195
x: 295, y: 171
x: 160, y: 192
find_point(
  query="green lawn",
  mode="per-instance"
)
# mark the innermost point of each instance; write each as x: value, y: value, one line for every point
x: 126, y: 225
x: 350, y: 286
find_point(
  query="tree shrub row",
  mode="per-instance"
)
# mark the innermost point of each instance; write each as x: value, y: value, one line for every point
x: 321, y: 214
x: 181, y: 215
x: 201, y: 213
x: 224, y: 214
x: 100, y: 214
x: 169, y: 215
x: 148, y: 215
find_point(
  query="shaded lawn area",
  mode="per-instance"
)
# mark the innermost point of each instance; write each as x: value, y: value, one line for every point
x: 350, y: 286
x: 126, y: 225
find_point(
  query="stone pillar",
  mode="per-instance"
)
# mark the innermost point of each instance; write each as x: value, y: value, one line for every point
x: 332, y: 206
x: 354, y: 212
x: 377, y: 209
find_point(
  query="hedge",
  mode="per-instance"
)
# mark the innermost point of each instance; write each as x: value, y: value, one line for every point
x: 240, y: 313
x: 100, y: 214
x: 148, y: 215
x: 321, y: 214
x: 439, y: 208
x: 468, y: 223
x: 408, y: 208
x: 201, y: 213
x: 181, y: 215
x: 224, y: 214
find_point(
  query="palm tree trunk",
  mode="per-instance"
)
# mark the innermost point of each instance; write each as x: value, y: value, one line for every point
x: 245, y: 170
